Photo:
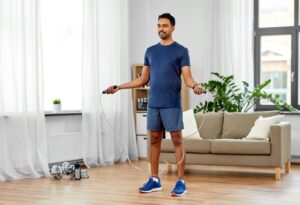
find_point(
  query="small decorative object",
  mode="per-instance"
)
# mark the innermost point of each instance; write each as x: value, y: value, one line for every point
x: 77, y: 174
x: 56, y: 105
x: 142, y: 103
x: 84, y: 174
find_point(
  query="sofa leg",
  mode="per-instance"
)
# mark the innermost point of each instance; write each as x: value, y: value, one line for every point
x: 149, y: 168
x: 277, y: 173
x: 287, y: 167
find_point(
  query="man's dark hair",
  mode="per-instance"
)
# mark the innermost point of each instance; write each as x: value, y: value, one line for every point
x: 168, y: 16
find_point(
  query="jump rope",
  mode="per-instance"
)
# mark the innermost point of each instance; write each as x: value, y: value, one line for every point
x: 129, y: 161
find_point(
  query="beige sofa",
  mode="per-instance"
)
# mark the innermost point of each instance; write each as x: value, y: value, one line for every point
x: 222, y: 144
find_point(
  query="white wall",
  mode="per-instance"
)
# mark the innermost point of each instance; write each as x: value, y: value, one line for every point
x: 137, y: 32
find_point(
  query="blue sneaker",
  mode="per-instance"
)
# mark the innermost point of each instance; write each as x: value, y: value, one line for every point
x: 151, y: 186
x: 179, y: 189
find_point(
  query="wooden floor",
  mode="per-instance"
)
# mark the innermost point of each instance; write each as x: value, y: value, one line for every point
x: 118, y: 185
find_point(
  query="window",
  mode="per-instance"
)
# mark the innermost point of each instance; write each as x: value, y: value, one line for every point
x: 61, y: 25
x: 277, y: 32
x: 276, y: 13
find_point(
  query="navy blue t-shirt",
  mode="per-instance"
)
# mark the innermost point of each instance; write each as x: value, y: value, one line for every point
x: 165, y: 64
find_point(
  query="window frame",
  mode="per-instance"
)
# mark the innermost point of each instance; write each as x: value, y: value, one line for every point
x: 294, y: 32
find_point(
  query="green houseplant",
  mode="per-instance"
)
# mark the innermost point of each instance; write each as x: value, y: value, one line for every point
x: 227, y: 96
x: 56, y: 105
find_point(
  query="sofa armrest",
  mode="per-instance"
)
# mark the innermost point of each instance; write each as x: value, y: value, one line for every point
x: 280, y: 137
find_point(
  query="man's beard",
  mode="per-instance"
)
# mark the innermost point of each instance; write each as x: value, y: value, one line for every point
x: 163, y: 36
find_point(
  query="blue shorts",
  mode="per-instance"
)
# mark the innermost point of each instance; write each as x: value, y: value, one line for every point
x: 164, y: 119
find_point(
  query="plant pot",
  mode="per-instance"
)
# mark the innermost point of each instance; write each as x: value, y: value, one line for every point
x: 56, y: 107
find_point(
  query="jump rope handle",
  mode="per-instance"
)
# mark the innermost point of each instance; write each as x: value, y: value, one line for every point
x: 202, y: 92
x: 106, y: 91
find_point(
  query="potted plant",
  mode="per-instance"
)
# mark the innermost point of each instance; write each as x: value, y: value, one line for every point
x: 227, y: 96
x: 56, y: 105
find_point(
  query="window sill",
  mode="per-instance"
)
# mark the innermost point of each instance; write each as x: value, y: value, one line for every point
x: 284, y: 112
x: 63, y: 113
x: 289, y: 113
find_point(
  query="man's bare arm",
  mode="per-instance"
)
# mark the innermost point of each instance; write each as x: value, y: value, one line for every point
x: 144, y: 79
x: 189, y: 81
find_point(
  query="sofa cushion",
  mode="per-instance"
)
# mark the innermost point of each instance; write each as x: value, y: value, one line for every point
x: 261, y: 128
x: 238, y: 125
x: 212, y: 124
x: 237, y: 146
x: 190, y: 145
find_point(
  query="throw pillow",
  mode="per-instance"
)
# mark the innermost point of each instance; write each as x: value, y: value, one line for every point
x: 261, y: 128
x: 190, y: 130
x: 237, y: 125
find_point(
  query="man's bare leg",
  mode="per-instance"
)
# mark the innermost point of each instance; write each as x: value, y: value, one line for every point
x: 153, y: 183
x: 179, y: 152
x: 155, y: 141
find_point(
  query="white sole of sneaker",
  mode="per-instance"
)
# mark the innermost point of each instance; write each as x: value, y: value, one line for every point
x: 173, y: 194
x: 152, y: 190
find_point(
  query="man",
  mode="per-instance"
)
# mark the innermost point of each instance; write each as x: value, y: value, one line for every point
x: 163, y: 65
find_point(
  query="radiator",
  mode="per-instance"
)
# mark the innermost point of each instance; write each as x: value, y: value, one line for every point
x: 64, y: 147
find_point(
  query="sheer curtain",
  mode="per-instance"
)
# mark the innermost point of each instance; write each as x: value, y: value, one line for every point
x: 236, y: 45
x: 226, y: 42
x: 105, y: 62
x: 229, y: 48
x: 23, y: 144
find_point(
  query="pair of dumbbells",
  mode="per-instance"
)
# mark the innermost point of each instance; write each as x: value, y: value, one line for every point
x: 66, y: 168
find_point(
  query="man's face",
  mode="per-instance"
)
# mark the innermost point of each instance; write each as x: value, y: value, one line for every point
x: 164, y: 28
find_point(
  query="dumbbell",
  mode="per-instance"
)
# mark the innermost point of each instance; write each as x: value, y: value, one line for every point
x: 56, y: 172
x: 68, y: 168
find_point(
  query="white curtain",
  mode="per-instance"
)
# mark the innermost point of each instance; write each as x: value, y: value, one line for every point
x: 229, y: 47
x: 226, y: 42
x: 23, y: 144
x: 105, y: 62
